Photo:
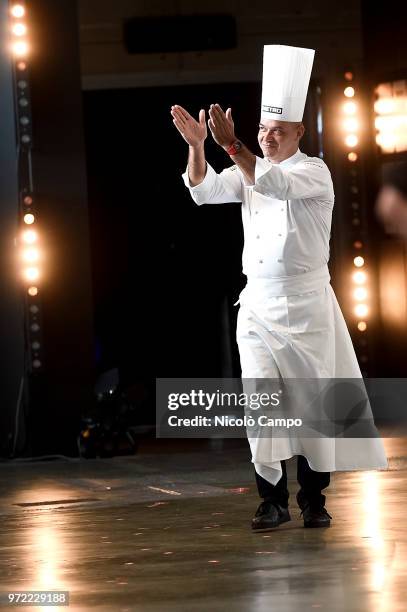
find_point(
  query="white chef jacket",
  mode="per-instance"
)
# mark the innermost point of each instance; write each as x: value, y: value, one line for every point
x: 290, y: 324
x: 291, y: 211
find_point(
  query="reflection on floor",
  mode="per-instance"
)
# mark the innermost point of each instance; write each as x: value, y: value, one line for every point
x: 170, y: 531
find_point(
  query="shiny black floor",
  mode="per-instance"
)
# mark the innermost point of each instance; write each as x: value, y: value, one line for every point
x: 169, y: 530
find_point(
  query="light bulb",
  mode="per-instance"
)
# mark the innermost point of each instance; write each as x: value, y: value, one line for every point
x: 358, y: 261
x: 360, y: 294
x: 359, y: 277
x: 19, y: 29
x: 361, y: 310
x: 31, y: 255
x: 31, y: 274
x: 349, y: 108
x: 18, y: 11
x: 29, y: 219
x: 30, y: 236
x: 351, y: 140
x: 20, y: 48
x: 351, y: 124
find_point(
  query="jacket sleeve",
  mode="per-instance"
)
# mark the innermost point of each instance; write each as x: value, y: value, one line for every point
x: 216, y: 188
x: 308, y: 179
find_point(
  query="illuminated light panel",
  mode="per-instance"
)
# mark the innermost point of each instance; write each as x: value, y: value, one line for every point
x: 28, y: 200
x: 351, y: 124
x: 361, y: 310
x: 33, y: 274
x: 351, y: 140
x: 391, y: 120
x: 29, y: 218
x: 349, y: 92
x: 360, y: 294
x: 20, y: 48
x: 352, y: 156
x: 349, y: 108
x: 387, y: 141
x: 384, y: 106
x: 19, y: 29
x: 21, y: 65
x: 348, y: 75
x: 18, y: 11
x: 358, y: 244
x: 358, y: 261
x: 31, y: 255
x: 33, y: 291
x: 362, y: 326
x: 30, y: 236
x: 359, y: 277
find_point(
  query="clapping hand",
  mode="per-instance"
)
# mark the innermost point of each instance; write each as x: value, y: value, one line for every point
x: 192, y: 131
x: 221, y: 126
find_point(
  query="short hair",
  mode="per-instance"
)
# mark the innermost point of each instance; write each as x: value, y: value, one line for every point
x: 395, y: 175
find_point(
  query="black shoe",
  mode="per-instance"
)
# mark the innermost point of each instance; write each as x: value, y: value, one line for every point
x: 316, y: 517
x: 269, y: 515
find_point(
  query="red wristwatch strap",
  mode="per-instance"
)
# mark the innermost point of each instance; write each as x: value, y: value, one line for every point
x: 234, y: 148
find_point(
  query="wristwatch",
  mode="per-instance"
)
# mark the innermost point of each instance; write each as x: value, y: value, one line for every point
x: 234, y: 148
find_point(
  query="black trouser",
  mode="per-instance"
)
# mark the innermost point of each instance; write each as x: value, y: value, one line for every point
x: 311, y: 484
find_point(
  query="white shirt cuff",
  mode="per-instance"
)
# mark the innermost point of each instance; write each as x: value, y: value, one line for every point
x: 261, y: 168
x: 207, y: 183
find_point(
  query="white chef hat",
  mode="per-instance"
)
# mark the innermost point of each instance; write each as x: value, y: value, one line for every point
x: 286, y: 75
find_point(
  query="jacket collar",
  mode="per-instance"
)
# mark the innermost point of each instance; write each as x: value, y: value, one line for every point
x: 293, y: 159
x: 290, y: 160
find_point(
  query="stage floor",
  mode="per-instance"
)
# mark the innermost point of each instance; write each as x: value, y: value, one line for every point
x: 169, y: 530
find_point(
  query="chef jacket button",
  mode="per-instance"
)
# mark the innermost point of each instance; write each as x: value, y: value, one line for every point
x: 260, y: 261
x: 282, y: 210
x: 257, y: 236
x: 279, y: 260
x: 256, y: 212
x: 280, y: 234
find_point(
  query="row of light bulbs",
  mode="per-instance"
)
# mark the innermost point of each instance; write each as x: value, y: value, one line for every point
x: 19, y: 30
x: 360, y: 292
x: 351, y: 124
x: 30, y: 254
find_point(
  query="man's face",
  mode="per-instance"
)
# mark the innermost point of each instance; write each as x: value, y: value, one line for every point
x: 279, y: 139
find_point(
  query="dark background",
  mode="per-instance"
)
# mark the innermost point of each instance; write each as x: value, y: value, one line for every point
x: 138, y: 277
x: 166, y: 272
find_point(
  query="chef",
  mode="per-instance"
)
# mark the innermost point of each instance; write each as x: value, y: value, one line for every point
x: 289, y: 324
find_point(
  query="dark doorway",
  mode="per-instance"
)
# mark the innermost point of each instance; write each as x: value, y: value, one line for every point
x: 165, y: 272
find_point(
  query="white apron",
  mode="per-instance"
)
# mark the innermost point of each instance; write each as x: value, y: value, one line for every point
x: 292, y: 327
x: 290, y: 324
